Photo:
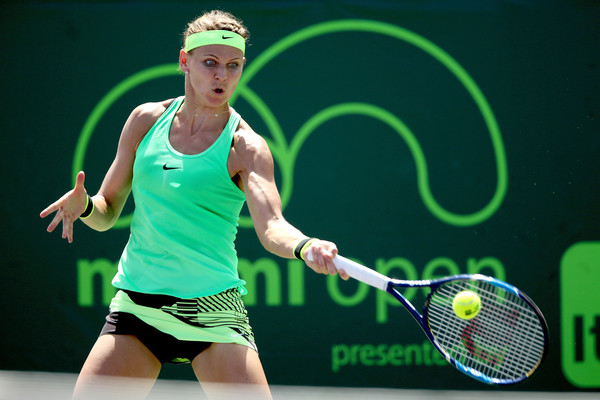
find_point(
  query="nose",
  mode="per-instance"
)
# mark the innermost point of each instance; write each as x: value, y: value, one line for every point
x: 221, y: 73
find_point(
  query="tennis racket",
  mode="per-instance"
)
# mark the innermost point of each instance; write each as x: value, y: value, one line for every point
x: 503, y: 344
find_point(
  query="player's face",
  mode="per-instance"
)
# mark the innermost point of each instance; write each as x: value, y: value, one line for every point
x: 213, y: 71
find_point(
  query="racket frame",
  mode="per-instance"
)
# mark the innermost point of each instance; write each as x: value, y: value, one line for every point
x: 382, y: 282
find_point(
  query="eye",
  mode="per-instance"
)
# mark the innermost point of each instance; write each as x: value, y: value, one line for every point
x: 210, y: 63
x: 233, y: 65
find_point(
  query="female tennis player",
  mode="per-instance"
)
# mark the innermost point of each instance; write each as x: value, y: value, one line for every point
x: 190, y: 162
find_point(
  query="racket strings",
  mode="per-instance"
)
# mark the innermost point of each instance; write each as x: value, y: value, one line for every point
x: 501, y: 335
x: 503, y: 338
x: 505, y: 341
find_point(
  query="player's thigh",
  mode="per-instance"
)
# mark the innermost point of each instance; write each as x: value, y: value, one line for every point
x: 118, y: 356
x: 231, y: 364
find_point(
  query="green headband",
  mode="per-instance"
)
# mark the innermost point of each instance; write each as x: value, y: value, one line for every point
x: 206, y: 38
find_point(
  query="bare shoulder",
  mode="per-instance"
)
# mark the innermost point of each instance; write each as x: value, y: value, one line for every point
x: 147, y: 113
x: 141, y: 120
x: 249, y: 146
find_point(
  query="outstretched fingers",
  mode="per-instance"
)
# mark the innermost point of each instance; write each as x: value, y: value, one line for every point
x: 57, y: 217
x: 68, y: 208
x: 50, y: 209
x: 67, y: 232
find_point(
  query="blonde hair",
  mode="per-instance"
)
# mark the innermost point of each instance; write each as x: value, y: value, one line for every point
x: 216, y: 20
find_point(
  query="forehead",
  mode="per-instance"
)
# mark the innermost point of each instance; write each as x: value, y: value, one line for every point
x: 220, y: 51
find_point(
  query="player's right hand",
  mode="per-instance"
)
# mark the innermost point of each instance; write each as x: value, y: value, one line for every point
x: 68, y: 208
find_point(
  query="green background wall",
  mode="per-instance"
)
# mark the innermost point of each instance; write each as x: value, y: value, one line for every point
x: 440, y: 192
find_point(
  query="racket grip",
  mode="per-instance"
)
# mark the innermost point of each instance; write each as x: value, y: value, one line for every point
x: 359, y: 272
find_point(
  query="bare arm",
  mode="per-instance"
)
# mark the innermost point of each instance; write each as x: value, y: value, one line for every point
x: 256, y: 169
x: 115, y: 189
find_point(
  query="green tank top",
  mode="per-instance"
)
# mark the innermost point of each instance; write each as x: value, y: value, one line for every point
x: 186, y: 216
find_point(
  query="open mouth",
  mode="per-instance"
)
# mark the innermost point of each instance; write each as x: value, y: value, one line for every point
x: 218, y: 91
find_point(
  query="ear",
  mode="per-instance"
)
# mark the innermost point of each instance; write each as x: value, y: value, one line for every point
x: 183, y: 56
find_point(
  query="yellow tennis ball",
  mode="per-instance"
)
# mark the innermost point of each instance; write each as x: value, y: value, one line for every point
x: 466, y: 304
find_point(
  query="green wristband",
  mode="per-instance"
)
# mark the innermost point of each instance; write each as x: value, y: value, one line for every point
x: 89, y: 208
x: 301, y: 246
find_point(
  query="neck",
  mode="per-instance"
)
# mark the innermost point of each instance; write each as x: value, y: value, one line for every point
x: 199, y: 119
x: 193, y: 109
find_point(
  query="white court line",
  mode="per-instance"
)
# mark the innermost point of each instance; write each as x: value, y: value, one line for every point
x: 15, y: 385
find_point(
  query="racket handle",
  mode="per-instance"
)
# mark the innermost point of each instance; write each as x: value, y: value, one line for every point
x: 359, y: 272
